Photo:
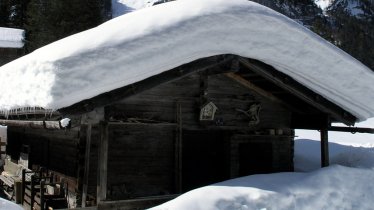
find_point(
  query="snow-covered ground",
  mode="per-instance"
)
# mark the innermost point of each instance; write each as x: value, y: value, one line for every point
x: 11, y: 38
x: 7, y: 205
x: 345, y: 185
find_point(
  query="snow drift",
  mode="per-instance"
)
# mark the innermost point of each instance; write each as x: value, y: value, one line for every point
x: 335, y: 187
x: 146, y: 42
x: 345, y: 186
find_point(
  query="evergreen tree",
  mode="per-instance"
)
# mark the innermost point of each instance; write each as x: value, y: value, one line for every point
x: 51, y: 20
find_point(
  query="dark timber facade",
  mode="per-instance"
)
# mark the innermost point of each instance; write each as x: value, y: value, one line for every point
x: 213, y: 119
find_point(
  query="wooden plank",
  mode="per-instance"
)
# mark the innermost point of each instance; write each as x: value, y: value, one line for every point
x: 299, y: 90
x: 103, y: 163
x: 253, y: 87
x: 86, y: 164
x: 351, y: 129
x: 178, y: 150
x: 32, y: 124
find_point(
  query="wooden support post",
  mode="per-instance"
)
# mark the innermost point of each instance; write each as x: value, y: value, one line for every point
x: 23, y: 185
x: 178, y: 150
x: 103, y: 163
x: 32, y: 199
x: 324, y: 148
x: 86, y: 164
x: 42, y: 186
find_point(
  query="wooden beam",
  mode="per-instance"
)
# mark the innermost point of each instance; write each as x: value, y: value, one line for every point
x: 292, y: 86
x: 52, y: 125
x: 178, y: 150
x: 103, y: 163
x: 86, y: 164
x: 324, y: 148
x: 351, y: 129
x: 253, y: 87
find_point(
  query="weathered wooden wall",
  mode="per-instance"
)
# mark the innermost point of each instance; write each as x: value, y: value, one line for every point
x: 158, y: 146
x: 141, y: 160
x: 142, y: 145
x: 54, y: 149
x: 159, y: 104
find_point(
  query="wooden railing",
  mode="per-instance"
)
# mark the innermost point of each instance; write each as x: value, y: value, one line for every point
x: 26, y: 111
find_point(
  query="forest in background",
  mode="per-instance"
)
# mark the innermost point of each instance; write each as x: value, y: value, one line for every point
x: 46, y: 21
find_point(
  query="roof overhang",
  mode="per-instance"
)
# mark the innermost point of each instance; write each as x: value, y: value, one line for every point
x: 287, y: 91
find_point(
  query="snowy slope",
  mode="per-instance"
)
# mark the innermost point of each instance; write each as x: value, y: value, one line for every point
x: 11, y: 38
x: 345, y: 186
x: 120, y: 7
x: 335, y: 187
x: 147, y: 42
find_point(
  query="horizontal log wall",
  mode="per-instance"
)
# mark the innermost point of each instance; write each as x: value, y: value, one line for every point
x: 281, y: 146
x: 141, y: 146
x: 159, y: 104
x: 54, y: 149
x: 140, y: 160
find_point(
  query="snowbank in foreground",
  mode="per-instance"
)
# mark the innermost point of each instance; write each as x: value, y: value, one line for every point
x: 8, y: 205
x: 335, y: 187
x: 149, y: 41
x: 347, y: 186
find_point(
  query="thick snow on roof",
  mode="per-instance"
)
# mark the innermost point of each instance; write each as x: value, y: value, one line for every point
x: 146, y: 42
x: 11, y: 37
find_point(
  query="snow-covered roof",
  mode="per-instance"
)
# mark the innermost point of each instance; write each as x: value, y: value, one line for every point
x: 11, y: 37
x: 146, y: 42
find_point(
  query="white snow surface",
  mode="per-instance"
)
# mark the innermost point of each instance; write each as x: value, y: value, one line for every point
x: 120, y: 7
x: 65, y: 122
x: 323, y: 4
x: 11, y: 37
x: 146, y: 42
x: 8, y: 205
x: 334, y: 187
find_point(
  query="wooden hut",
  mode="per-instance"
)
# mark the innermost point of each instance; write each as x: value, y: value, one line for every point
x: 189, y: 116
x: 213, y: 119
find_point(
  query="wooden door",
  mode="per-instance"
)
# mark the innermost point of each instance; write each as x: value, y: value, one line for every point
x: 204, y: 158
